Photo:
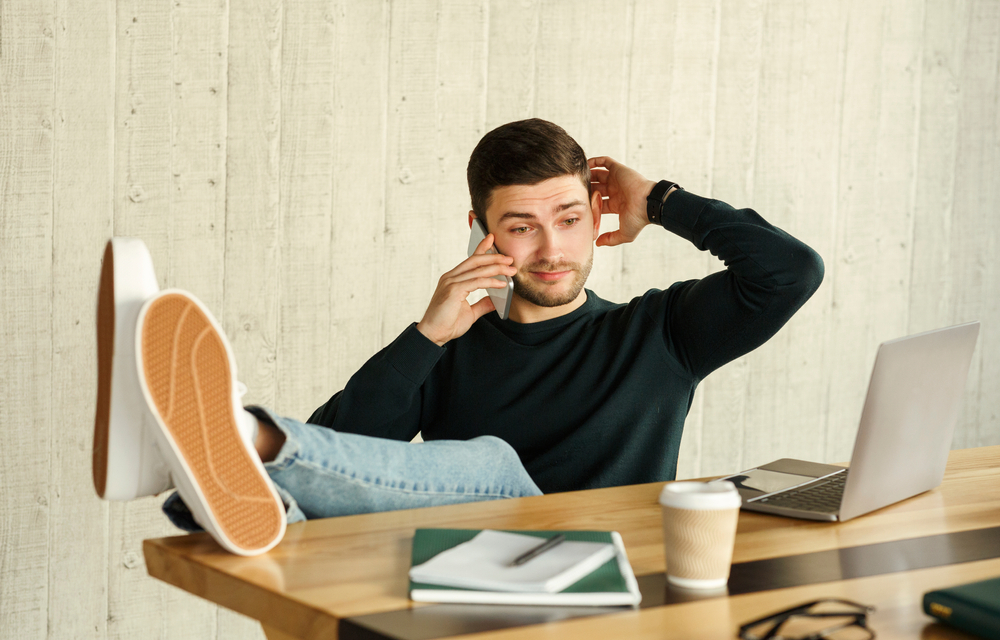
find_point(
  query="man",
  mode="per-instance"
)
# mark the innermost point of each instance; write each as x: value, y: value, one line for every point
x: 589, y: 393
x: 581, y: 392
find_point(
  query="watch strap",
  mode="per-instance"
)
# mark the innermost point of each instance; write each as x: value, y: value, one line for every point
x: 656, y: 198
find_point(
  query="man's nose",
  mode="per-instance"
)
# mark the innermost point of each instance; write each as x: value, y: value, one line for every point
x: 550, y: 249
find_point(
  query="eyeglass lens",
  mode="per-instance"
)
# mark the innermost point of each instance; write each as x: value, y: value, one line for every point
x: 834, y: 620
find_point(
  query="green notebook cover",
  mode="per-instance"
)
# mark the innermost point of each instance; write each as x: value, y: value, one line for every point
x: 611, y: 584
x: 973, y: 607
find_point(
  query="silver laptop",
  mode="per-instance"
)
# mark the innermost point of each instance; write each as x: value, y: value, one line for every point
x: 902, y: 444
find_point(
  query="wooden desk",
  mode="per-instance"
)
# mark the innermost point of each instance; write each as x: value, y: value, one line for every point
x: 328, y: 571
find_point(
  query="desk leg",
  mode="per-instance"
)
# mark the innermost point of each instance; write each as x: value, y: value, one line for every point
x: 273, y: 634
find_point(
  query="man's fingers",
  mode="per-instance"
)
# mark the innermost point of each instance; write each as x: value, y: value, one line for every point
x: 484, y: 245
x: 491, y: 283
x: 483, y: 307
x: 460, y: 289
x: 599, y: 174
x: 610, y: 239
x: 600, y: 161
x: 476, y: 261
x: 484, y: 271
x: 485, y: 283
x: 478, y: 268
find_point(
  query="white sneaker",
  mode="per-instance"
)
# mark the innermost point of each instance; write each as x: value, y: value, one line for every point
x: 187, y: 374
x: 126, y: 463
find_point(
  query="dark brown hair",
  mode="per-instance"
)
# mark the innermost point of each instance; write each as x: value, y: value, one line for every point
x: 525, y: 152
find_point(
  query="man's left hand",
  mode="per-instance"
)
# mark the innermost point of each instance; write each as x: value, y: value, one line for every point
x: 625, y: 191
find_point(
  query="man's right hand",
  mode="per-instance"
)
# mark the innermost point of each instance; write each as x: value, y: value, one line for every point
x: 449, y: 314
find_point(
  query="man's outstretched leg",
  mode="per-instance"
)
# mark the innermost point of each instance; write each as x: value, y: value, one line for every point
x: 167, y: 415
x: 327, y: 473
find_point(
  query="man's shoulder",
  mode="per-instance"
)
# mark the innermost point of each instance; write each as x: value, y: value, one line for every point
x: 653, y: 299
x: 599, y: 304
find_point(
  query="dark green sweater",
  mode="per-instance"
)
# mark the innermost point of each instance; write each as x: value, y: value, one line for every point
x: 597, y: 397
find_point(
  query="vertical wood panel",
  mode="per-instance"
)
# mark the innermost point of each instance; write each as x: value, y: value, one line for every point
x: 359, y: 146
x: 252, y: 251
x: 877, y: 154
x: 143, y: 127
x: 26, y: 193
x: 304, y: 321
x: 976, y: 232
x: 987, y: 415
x: 513, y: 39
x: 200, y: 33
x: 437, y: 102
x: 934, y: 259
x: 806, y: 208
x: 83, y: 128
x: 411, y: 170
x: 459, y: 123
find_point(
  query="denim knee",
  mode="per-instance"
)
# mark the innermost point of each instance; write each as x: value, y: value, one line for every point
x: 510, y: 466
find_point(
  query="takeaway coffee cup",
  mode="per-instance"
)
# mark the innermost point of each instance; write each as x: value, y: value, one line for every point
x: 699, y: 529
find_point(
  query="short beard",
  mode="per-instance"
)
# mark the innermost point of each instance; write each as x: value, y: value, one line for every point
x: 539, y: 295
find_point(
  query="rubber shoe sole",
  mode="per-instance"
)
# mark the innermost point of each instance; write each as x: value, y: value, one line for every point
x: 187, y: 374
x: 126, y: 463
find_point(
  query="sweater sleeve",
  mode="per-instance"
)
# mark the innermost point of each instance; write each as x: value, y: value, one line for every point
x: 383, y: 398
x: 769, y: 275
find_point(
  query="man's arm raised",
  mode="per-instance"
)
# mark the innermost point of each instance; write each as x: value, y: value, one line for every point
x: 706, y: 323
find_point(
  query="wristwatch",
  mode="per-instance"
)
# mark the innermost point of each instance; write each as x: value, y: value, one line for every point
x: 656, y: 198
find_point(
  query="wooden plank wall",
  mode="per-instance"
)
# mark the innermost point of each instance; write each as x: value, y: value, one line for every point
x: 299, y: 165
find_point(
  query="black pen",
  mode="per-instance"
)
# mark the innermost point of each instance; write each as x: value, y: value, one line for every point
x: 536, y: 551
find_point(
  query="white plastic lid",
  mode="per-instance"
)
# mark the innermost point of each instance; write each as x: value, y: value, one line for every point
x: 703, y: 496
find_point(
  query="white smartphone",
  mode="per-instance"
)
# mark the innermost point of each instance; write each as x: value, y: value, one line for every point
x: 501, y: 297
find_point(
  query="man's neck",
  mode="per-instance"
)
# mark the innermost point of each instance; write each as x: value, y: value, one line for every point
x: 525, y: 312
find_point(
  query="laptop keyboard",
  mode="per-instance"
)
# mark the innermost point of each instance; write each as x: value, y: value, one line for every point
x: 821, y: 497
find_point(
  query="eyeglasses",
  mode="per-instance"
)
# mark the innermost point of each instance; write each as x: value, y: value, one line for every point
x: 830, y: 618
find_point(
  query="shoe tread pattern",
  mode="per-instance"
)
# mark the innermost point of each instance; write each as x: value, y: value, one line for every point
x: 187, y: 372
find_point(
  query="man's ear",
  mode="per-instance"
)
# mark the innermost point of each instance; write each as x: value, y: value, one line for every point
x: 472, y: 216
x: 596, y: 203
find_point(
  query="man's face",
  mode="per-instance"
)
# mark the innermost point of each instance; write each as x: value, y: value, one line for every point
x: 549, y: 229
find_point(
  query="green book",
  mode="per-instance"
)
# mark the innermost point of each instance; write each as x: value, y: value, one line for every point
x: 610, y: 584
x: 973, y: 607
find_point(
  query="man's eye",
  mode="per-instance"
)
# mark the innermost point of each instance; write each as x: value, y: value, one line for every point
x: 572, y: 221
x: 519, y: 230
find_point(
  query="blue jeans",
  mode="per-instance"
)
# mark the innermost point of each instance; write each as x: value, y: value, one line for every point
x: 322, y: 473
